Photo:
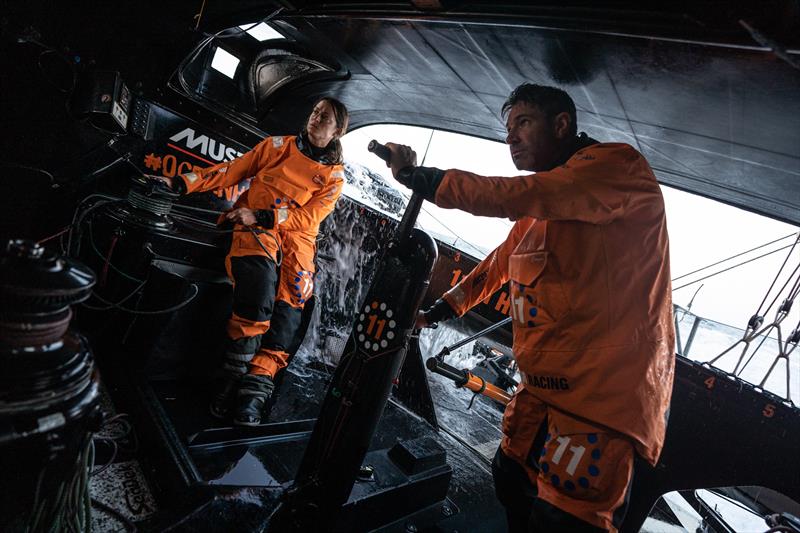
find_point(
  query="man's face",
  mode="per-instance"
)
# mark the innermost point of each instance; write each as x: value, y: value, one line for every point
x: 531, y: 138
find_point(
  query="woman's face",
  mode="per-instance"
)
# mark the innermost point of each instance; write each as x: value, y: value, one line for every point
x: 321, y: 125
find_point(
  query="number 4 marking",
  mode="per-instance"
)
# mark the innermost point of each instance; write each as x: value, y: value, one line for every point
x: 710, y: 382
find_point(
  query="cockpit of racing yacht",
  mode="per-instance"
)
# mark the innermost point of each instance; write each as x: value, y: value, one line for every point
x: 116, y: 294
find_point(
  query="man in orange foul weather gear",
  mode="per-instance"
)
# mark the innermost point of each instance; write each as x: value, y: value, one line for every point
x: 587, y: 262
x: 296, y: 183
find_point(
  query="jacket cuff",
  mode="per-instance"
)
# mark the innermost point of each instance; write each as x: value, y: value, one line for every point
x: 439, y: 311
x: 265, y: 218
x: 421, y: 180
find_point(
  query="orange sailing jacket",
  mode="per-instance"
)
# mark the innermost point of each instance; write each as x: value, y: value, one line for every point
x: 588, y: 264
x: 300, y: 190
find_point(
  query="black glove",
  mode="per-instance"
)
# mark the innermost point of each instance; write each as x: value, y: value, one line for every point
x: 265, y: 218
x: 439, y: 311
x: 422, y: 180
x: 178, y: 185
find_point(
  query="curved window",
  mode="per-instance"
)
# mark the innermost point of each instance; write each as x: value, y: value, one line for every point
x: 723, y: 259
x: 236, y: 70
x: 474, y: 235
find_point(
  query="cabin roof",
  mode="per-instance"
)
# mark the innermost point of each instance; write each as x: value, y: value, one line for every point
x: 710, y: 94
x: 708, y: 91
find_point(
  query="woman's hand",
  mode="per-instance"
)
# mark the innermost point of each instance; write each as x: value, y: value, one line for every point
x: 169, y: 182
x: 241, y: 215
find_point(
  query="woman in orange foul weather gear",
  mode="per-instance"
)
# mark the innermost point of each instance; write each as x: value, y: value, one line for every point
x: 587, y: 262
x: 296, y: 183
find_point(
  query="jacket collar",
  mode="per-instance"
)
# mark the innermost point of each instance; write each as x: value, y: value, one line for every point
x: 580, y: 142
x: 320, y: 155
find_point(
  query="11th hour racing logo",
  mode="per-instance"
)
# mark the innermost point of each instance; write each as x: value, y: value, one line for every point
x: 207, y: 146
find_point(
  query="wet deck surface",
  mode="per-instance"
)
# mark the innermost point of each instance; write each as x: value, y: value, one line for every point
x: 244, y: 478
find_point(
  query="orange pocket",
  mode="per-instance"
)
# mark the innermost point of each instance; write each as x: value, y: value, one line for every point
x: 584, y: 469
x: 290, y: 194
x: 536, y: 291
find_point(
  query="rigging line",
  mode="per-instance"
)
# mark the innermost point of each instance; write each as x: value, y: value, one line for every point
x: 792, y: 292
x: 731, y: 268
x: 609, y: 125
x: 754, y: 352
x: 624, y: 111
x: 425, y: 155
x: 732, y: 257
x: 445, y: 226
x: 758, y: 311
x: 199, y: 15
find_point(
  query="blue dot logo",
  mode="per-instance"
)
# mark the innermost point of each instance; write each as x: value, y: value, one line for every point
x: 534, y: 311
x: 596, y: 454
x: 592, y: 438
x: 545, y: 467
x: 554, y: 480
x: 593, y: 470
x: 569, y: 485
x: 278, y: 201
x: 583, y: 482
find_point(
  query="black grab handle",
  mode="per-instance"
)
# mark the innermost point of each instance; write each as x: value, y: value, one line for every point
x: 403, y: 232
x: 380, y: 150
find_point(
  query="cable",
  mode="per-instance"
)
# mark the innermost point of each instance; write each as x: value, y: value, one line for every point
x: 59, y: 234
x: 776, y: 279
x: 114, y: 450
x: 27, y: 167
x: 101, y: 282
x: 731, y: 268
x: 445, y: 226
x: 78, y: 216
x: 146, y: 312
x: 127, y: 431
x: 427, y: 147
x: 732, y: 257
x: 69, y: 508
x: 112, y: 305
x: 111, y: 265
x: 199, y: 209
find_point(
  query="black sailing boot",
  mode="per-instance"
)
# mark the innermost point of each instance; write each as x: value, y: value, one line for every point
x: 254, y: 391
x: 223, y: 399
x: 224, y: 396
